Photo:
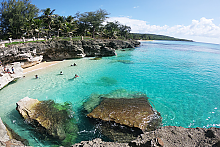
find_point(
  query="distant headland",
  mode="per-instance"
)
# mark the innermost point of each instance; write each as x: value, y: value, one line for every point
x: 140, y: 36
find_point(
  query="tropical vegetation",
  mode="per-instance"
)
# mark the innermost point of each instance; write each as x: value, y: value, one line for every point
x: 20, y: 18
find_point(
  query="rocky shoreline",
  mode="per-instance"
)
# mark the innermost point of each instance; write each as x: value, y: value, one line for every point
x: 169, y: 136
x: 33, y: 53
x: 26, y: 55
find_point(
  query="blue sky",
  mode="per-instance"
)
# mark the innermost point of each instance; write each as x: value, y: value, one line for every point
x: 198, y: 20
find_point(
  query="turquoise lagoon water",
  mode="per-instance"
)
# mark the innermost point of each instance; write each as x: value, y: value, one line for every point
x: 181, y: 79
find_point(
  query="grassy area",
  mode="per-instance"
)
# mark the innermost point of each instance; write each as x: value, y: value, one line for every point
x: 56, y: 39
x: 14, y: 43
x: 73, y: 38
x: 53, y: 38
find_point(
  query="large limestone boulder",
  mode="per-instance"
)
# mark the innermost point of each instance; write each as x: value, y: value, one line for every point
x: 49, y: 118
x: 26, y: 107
x: 134, y: 112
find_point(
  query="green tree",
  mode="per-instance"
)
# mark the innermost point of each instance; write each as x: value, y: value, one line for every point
x: 13, y: 16
x: 124, y: 30
x: 91, y: 21
x: 47, y: 18
x: 112, y: 29
x: 59, y: 22
x: 38, y: 26
x: 71, y: 24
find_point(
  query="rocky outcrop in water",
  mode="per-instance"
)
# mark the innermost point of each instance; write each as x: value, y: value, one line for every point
x: 50, y: 118
x: 8, y: 76
x: 6, y: 137
x: 136, y: 112
x: 59, y: 50
x: 122, y: 119
x: 169, y: 136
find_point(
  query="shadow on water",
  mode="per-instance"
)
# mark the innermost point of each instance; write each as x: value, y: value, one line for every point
x: 122, y: 61
x: 108, y: 131
x: 72, y: 79
x: 87, y: 128
x: 103, y: 81
x: 106, y: 81
x: 127, y: 49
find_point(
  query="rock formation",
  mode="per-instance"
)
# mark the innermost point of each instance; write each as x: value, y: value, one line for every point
x: 59, y: 50
x: 49, y: 118
x: 179, y: 136
x: 135, y: 112
x: 169, y: 136
x: 6, y: 139
x: 122, y: 119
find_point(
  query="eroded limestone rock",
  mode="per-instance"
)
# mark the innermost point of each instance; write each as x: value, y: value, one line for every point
x: 61, y: 49
x: 49, y: 118
x: 167, y: 136
x: 134, y: 112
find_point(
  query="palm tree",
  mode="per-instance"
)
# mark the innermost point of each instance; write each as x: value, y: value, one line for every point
x: 58, y: 23
x: 38, y: 26
x: 71, y: 24
x: 29, y: 27
x: 124, y: 30
x: 47, y: 17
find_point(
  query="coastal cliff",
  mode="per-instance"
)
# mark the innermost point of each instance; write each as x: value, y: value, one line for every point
x: 27, y: 53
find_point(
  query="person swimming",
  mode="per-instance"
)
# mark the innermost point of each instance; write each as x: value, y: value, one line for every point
x: 76, y: 76
x: 73, y: 64
x: 61, y: 73
x: 36, y: 76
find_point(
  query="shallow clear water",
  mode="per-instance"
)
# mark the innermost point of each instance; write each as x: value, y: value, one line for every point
x: 181, y: 79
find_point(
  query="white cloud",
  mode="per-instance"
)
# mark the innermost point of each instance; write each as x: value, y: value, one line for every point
x: 136, y: 7
x: 203, y: 30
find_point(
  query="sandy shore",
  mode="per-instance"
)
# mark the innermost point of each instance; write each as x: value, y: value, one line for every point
x: 41, y: 65
x: 144, y: 40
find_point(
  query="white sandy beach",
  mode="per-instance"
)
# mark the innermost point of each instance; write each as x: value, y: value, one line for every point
x: 39, y: 66
x: 144, y: 40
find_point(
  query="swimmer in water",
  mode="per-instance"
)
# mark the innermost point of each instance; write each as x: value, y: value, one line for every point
x: 76, y: 76
x: 61, y: 73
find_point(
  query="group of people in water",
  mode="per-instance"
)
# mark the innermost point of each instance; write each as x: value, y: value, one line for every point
x: 61, y: 72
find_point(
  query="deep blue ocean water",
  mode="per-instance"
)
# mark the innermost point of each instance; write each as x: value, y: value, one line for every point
x: 181, y: 79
